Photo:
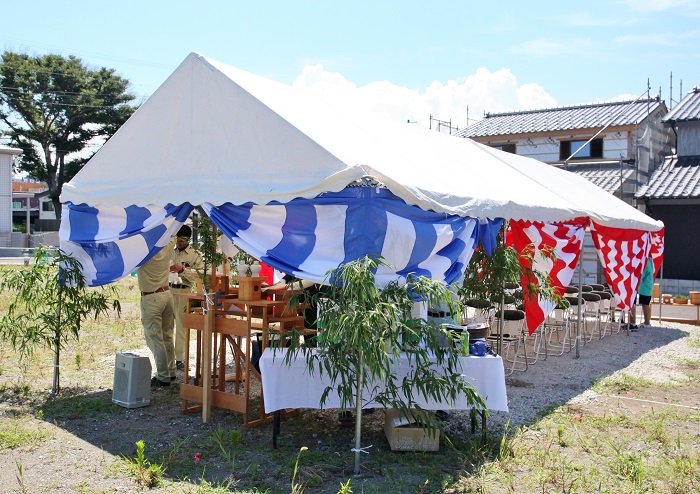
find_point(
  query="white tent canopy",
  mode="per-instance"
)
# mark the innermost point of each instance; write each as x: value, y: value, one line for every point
x: 215, y: 134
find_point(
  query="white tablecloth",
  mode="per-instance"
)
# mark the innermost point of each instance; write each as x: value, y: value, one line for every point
x: 292, y: 387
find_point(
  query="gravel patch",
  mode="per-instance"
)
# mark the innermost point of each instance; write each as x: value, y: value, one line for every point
x: 652, y: 353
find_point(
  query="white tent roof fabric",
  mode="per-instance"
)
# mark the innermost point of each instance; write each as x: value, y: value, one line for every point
x: 216, y: 134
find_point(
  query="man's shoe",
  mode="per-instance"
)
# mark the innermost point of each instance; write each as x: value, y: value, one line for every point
x: 155, y: 382
x: 173, y: 379
x: 634, y: 327
x: 180, y: 365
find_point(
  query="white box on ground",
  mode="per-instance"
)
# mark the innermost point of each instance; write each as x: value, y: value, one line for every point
x: 132, y: 380
x: 404, y: 435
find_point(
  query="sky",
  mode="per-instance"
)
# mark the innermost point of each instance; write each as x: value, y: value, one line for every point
x: 409, y: 60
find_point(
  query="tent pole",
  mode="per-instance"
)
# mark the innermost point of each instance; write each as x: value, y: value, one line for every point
x: 207, y: 350
x: 661, y: 291
x: 358, y: 414
x: 580, y: 301
x: 501, y: 324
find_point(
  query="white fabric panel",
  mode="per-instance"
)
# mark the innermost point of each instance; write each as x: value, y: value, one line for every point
x: 293, y: 387
x: 329, y: 251
x: 396, y: 244
x: 255, y: 140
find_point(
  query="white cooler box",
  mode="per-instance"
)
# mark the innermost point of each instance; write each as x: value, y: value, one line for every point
x: 132, y: 380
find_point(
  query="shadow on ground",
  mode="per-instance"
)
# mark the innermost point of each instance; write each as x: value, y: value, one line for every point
x: 560, y: 378
x: 247, y: 455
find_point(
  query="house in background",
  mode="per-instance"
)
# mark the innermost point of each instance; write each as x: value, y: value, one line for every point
x: 629, y: 140
x: 616, y: 145
x: 672, y: 195
x: 21, y: 191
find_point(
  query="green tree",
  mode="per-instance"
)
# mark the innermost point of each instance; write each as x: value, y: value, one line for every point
x: 364, y: 328
x: 50, y: 301
x: 54, y: 108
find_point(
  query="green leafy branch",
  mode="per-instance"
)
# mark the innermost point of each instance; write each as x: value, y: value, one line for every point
x: 50, y: 300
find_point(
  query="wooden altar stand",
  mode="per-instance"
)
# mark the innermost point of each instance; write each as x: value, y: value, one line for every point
x: 230, y: 328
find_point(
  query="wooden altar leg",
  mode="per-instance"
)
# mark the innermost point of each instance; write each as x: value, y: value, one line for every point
x: 198, y: 360
x: 221, y: 371
x: 207, y: 365
x: 186, y: 371
x: 246, y: 390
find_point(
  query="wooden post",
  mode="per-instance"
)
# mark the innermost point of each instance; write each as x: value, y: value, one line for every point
x: 207, y: 359
x: 207, y: 347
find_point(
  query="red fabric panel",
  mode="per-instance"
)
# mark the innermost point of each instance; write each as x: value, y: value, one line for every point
x: 622, y: 252
x: 268, y: 272
x: 561, y: 245
x: 657, y: 249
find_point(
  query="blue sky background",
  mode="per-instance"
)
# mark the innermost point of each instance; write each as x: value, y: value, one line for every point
x: 454, y: 60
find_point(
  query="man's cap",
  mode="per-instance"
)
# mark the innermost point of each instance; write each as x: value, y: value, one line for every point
x: 184, y: 231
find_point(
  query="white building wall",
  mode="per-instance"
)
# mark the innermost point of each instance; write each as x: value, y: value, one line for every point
x: 539, y: 148
x: 615, y: 146
x: 5, y: 192
x: 546, y: 149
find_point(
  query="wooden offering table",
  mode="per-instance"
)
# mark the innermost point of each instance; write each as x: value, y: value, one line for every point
x: 217, y: 331
x: 232, y: 325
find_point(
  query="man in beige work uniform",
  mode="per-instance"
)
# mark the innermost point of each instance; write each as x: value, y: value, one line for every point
x: 157, y: 313
x: 185, y: 262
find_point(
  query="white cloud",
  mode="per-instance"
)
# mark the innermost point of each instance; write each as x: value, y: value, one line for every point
x: 455, y: 101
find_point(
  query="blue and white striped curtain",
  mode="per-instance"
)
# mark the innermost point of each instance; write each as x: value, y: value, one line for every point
x: 110, y: 242
x: 304, y: 237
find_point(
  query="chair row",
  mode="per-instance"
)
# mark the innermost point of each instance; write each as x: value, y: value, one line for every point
x: 557, y: 335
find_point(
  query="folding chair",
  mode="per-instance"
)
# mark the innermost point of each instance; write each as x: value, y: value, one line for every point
x: 591, y: 312
x: 606, y: 311
x: 574, y: 309
x: 557, y: 328
x: 513, y: 338
x: 477, y: 310
x: 538, y: 342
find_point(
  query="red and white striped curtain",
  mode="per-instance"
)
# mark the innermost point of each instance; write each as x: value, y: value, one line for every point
x: 657, y: 249
x: 623, y: 254
x: 555, y: 249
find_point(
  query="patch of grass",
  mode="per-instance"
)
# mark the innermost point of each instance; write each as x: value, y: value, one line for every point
x: 79, y: 404
x: 620, y: 383
x: 144, y: 472
x: 227, y: 443
x: 21, y: 432
x: 221, y: 487
x: 655, y: 448
x: 694, y: 341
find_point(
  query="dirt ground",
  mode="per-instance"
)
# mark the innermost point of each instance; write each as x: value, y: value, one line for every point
x: 77, y: 443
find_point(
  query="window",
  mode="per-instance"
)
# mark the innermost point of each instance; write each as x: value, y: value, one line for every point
x: 508, y: 148
x: 47, y: 206
x: 593, y: 149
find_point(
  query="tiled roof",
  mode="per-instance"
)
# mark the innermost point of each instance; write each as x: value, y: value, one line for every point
x: 606, y: 175
x: 676, y: 178
x: 596, y: 115
x: 687, y: 109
